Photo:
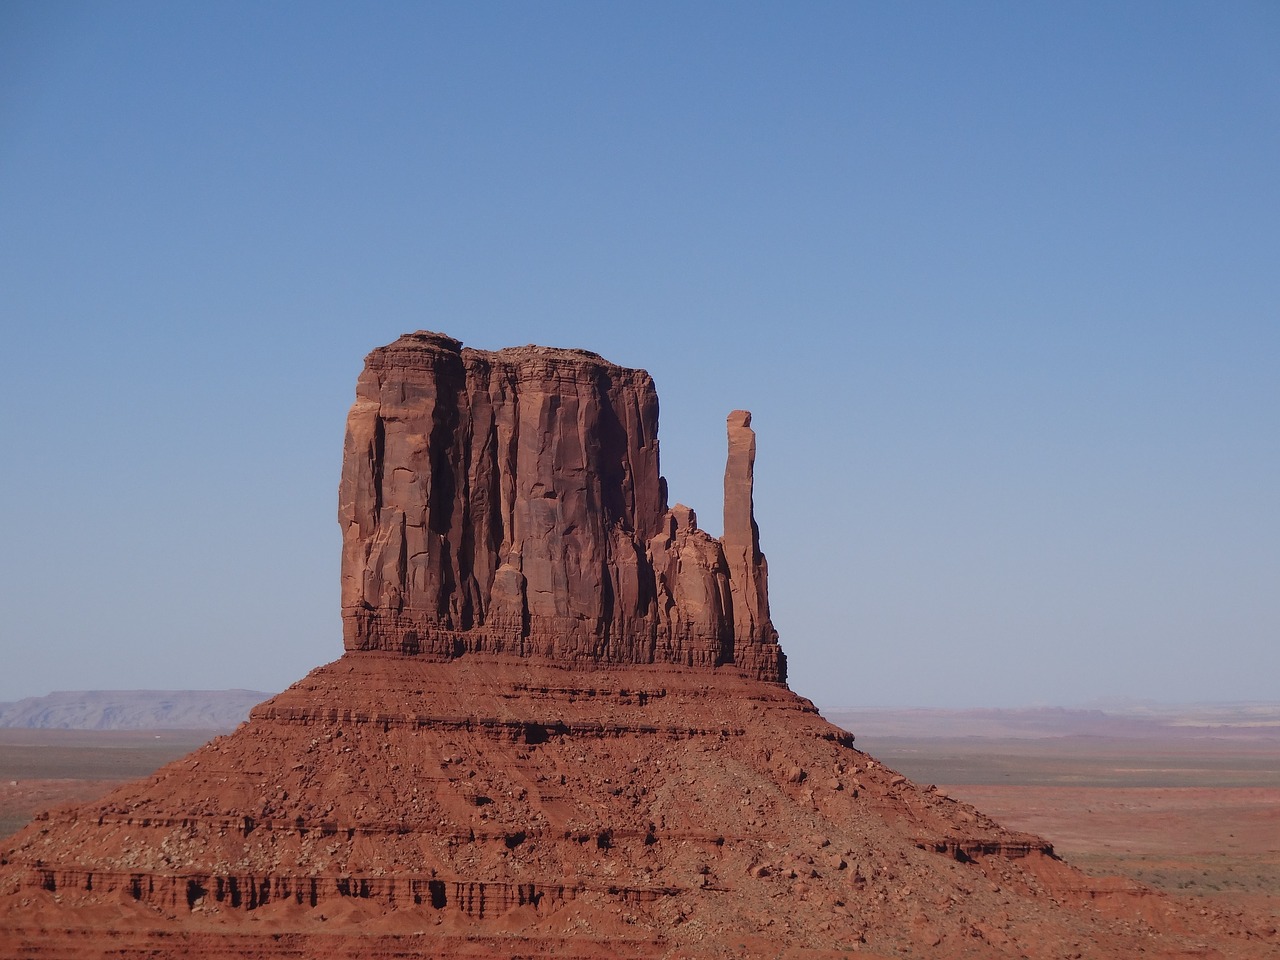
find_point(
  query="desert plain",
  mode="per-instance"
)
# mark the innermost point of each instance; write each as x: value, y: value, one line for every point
x: 1188, y: 807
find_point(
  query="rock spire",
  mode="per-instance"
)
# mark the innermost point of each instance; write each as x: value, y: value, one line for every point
x: 511, y: 502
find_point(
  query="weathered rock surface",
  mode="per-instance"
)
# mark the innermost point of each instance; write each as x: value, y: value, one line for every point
x: 559, y: 730
x: 511, y: 502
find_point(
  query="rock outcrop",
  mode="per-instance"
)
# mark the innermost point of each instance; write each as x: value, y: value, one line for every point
x: 511, y: 502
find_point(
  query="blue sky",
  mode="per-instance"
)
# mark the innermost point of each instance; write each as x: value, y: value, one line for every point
x: 999, y: 282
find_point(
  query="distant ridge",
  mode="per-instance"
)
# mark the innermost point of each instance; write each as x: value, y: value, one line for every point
x: 132, y: 710
x: 1236, y: 721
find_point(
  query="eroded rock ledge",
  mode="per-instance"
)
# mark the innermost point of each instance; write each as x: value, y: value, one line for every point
x: 511, y: 502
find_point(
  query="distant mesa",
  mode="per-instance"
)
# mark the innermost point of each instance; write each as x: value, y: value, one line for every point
x: 560, y: 728
x: 132, y: 710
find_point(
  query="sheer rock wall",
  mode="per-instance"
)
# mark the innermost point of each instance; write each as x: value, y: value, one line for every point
x: 511, y: 502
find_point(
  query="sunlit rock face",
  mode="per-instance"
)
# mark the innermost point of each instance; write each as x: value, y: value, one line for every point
x: 511, y: 502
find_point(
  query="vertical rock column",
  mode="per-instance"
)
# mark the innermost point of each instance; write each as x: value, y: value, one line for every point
x: 755, y: 640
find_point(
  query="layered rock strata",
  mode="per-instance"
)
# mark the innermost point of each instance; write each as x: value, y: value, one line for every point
x: 511, y: 502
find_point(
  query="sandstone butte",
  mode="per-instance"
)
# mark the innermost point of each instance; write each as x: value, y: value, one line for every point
x: 560, y: 728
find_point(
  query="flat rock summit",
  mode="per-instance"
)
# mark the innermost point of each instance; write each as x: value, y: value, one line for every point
x: 560, y: 728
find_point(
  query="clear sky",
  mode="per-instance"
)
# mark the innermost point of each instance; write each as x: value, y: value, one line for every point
x: 1000, y: 283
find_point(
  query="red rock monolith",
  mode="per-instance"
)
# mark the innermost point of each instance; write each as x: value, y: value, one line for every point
x: 509, y: 502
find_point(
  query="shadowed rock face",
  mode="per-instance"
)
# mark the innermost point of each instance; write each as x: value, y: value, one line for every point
x: 511, y: 502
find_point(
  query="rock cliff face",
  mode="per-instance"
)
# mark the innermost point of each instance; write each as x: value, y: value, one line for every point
x: 511, y: 502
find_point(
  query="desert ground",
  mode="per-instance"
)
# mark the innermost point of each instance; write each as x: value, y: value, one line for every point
x: 1196, y: 817
x: 1193, y: 817
x: 42, y: 769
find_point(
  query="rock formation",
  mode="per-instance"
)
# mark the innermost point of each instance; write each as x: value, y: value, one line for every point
x: 510, y: 502
x: 560, y: 729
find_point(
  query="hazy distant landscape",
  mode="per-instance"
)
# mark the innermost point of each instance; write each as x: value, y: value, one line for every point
x: 132, y: 710
x: 1243, y: 720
